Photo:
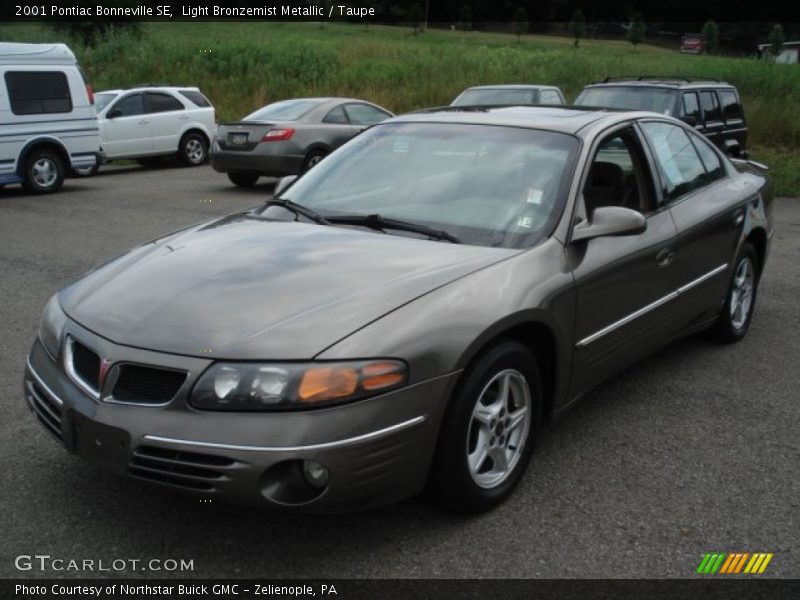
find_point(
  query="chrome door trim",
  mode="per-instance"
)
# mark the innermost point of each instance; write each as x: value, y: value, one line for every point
x: 652, y: 306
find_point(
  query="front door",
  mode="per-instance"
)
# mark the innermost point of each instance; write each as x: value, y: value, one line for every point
x: 624, y: 285
x: 128, y: 132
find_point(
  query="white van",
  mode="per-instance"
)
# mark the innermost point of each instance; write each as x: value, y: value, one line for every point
x: 48, y: 125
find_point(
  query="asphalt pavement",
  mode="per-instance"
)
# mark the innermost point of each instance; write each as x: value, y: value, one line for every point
x: 695, y: 450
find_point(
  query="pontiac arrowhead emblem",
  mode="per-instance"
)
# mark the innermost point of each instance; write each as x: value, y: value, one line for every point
x: 104, y: 366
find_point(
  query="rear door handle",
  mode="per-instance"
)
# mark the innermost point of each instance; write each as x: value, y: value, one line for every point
x: 665, y: 257
x: 143, y: 122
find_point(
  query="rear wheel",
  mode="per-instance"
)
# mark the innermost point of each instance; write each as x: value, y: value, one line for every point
x: 312, y: 158
x: 193, y: 149
x: 737, y: 312
x: 243, y: 178
x: 44, y: 172
x: 487, y: 436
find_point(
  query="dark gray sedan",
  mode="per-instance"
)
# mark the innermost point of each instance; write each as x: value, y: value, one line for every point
x: 509, y: 94
x: 289, y: 137
x: 406, y: 314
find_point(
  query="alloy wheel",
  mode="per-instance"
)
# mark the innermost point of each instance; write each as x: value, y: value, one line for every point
x: 44, y: 172
x: 499, y: 428
x: 742, y: 293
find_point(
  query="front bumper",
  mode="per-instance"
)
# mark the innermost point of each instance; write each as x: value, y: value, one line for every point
x: 376, y: 451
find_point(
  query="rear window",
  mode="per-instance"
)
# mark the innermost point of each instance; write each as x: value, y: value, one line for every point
x: 489, y: 97
x: 286, y: 110
x: 731, y: 109
x: 195, y: 98
x: 657, y: 100
x: 711, y: 111
x: 38, y: 92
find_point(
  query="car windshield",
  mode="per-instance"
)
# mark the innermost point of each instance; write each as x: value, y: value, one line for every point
x: 102, y: 99
x: 494, y: 97
x: 630, y: 98
x: 486, y: 185
x: 287, y: 110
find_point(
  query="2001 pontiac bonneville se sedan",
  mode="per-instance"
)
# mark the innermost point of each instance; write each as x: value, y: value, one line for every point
x: 406, y: 313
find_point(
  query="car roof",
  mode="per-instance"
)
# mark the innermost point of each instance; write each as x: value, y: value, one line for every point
x: 666, y: 82
x: 563, y: 119
x: 511, y: 86
x: 141, y: 88
x: 17, y: 53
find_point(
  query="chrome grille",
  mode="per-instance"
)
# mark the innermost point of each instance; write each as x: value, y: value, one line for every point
x: 86, y: 364
x: 147, y: 385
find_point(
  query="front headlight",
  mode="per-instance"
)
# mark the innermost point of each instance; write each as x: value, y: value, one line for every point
x: 52, y: 326
x: 266, y: 386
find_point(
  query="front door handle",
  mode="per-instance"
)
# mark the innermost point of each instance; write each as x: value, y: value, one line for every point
x: 665, y: 257
x: 738, y: 217
x: 143, y: 122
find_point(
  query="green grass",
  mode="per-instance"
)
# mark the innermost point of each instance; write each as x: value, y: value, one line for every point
x: 242, y: 66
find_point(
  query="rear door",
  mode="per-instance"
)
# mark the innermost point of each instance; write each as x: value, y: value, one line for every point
x: 708, y: 211
x: 625, y: 286
x: 126, y: 130
x: 712, y: 117
x: 167, y: 115
x: 735, y: 132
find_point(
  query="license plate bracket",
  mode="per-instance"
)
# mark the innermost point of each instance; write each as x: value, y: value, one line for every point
x: 102, y: 444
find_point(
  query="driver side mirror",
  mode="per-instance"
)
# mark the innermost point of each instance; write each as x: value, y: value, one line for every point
x: 610, y: 221
x: 283, y: 183
x: 113, y: 113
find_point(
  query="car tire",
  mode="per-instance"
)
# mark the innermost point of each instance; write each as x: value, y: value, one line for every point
x: 312, y: 158
x: 740, y: 301
x: 86, y: 171
x: 478, y: 431
x: 244, y: 178
x: 44, y: 172
x: 193, y: 149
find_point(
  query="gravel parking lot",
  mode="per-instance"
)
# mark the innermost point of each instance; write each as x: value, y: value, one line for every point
x: 695, y: 450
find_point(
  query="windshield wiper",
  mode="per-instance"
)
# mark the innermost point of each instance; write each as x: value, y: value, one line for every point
x: 381, y: 223
x: 299, y: 209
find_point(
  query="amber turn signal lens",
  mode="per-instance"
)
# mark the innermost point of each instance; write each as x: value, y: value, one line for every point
x: 381, y: 375
x: 327, y: 383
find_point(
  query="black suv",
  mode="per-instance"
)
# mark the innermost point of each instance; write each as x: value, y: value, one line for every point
x: 710, y: 106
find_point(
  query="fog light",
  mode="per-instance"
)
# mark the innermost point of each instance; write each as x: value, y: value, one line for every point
x: 316, y: 474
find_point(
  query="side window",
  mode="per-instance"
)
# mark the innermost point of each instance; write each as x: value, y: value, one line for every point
x: 711, y: 112
x: 731, y: 109
x: 549, y: 97
x: 195, y: 98
x: 38, y: 92
x: 710, y: 158
x: 616, y: 177
x: 364, y: 114
x: 691, y: 107
x: 157, y: 103
x: 677, y: 160
x: 336, y: 116
x: 130, y: 106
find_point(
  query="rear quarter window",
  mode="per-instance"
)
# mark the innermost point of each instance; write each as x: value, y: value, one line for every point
x: 195, y: 98
x: 38, y: 92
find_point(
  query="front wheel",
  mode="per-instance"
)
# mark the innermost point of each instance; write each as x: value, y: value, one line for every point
x: 44, y: 172
x: 737, y: 312
x: 487, y: 436
x: 193, y: 149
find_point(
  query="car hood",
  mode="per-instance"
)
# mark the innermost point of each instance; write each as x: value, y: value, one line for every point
x: 247, y: 288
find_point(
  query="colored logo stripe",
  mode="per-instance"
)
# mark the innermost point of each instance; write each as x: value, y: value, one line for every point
x: 734, y: 562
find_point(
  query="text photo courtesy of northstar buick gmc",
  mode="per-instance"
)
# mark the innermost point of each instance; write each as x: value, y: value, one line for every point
x: 407, y: 314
